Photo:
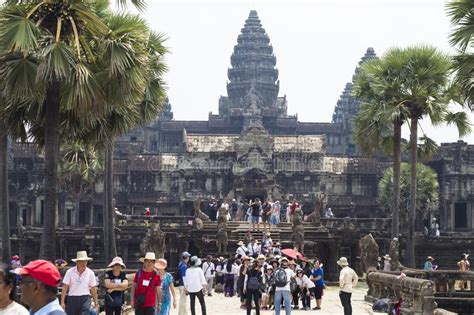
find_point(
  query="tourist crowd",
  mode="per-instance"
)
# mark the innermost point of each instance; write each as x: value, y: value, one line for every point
x: 261, y: 281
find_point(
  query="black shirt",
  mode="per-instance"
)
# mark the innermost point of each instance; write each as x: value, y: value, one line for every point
x: 110, y: 275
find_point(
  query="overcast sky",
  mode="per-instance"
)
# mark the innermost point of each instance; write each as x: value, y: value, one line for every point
x: 317, y: 43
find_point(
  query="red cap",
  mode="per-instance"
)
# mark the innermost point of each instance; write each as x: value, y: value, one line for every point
x: 43, y: 271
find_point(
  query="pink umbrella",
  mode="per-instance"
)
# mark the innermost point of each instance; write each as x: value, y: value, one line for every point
x: 291, y: 253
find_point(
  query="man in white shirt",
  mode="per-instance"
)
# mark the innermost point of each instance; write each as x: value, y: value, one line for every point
x: 347, y: 281
x: 253, y: 248
x: 79, y: 284
x: 209, y: 270
x: 241, y: 250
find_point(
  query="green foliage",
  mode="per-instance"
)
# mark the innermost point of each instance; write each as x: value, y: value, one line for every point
x: 427, y: 198
x: 461, y: 37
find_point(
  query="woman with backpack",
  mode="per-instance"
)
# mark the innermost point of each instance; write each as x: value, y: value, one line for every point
x: 253, y: 283
x: 116, y: 283
x: 229, y: 274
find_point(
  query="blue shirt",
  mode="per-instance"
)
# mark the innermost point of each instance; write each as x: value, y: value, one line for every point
x: 182, y: 267
x: 50, y: 308
x: 316, y: 273
x: 428, y: 266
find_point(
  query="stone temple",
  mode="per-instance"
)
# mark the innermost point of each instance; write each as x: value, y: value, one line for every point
x: 250, y: 149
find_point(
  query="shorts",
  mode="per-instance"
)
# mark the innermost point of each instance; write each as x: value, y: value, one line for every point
x: 255, y: 219
x: 265, y: 219
x: 273, y: 220
x: 318, y: 292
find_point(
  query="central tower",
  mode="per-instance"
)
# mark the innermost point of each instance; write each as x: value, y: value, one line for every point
x: 253, y: 84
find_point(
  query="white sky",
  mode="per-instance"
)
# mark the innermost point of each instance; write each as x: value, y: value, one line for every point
x: 317, y: 43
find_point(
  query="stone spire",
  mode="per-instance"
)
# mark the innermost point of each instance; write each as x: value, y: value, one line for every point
x: 253, y: 67
x: 347, y: 107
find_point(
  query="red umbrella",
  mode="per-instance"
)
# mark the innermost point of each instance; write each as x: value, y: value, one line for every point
x: 291, y: 253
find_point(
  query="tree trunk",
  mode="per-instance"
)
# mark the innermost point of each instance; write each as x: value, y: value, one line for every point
x: 412, y: 210
x: 108, y: 202
x: 5, y: 210
x: 51, y: 157
x: 397, y: 137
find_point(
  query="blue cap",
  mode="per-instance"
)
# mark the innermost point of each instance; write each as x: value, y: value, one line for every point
x: 185, y: 254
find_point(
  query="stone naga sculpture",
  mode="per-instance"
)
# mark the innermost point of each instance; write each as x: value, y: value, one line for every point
x: 369, y: 252
x: 298, y: 230
x: 394, y: 253
x: 222, y: 234
x: 199, y: 215
x: 154, y: 241
x: 315, y: 216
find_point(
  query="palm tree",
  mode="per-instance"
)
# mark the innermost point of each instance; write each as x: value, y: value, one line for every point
x: 56, y: 50
x: 119, y: 119
x: 427, y: 197
x: 409, y: 84
x: 378, y: 124
x: 461, y: 13
x: 14, y: 127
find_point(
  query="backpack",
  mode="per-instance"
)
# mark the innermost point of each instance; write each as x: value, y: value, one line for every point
x: 253, y: 284
x: 177, y: 276
x: 281, y: 279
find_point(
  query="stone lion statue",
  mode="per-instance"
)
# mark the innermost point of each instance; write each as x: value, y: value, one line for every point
x: 199, y: 215
x: 222, y: 235
x: 369, y: 252
x: 298, y: 230
x: 154, y: 241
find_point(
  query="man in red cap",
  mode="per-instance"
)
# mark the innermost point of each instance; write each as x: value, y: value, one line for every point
x: 39, y: 287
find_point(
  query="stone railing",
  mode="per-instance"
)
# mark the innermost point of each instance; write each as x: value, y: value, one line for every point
x: 417, y: 294
x: 361, y: 224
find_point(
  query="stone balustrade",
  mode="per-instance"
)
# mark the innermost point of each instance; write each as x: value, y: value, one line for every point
x: 417, y: 294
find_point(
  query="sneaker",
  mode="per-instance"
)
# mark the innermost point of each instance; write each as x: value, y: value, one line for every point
x: 317, y: 308
x: 296, y: 308
x: 209, y: 294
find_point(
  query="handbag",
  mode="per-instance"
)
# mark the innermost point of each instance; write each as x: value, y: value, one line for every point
x: 113, y: 300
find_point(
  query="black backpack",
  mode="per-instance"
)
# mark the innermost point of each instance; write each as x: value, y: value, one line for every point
x: 281, y: 279
x: 253, y: 283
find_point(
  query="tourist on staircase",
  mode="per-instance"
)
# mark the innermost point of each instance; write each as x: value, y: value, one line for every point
x: 234, y: 207
x: 252, y: 284
x: 195, y: 284
x: 266, y: 209
x: 267, y: 244
x: 256, y: 213
x: 275, y: 214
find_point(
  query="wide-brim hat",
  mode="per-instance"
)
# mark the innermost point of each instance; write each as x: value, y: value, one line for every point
x: 261, y: 256
x: 195, y: 261
x: 278, y: 244
x: 148, y: 256
x: 161, y: 264
x: 240, y: 243
x: 220, y: 258
x: 116, y: 261
x: 291, y: 262
x: 429, y: 258
x: 342, y: 262
x: 387, y: 257
x: 81, y: 256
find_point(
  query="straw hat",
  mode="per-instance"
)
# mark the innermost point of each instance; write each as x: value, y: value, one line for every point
x: 429, y: 258
x: 81, y: 256
x: 342, y: 262
x: 116, y: 261
x: 291, y: 262
x: 161, y: 264
x: 387, y: 257
x: 240, y: 243
x: 148, y: 256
